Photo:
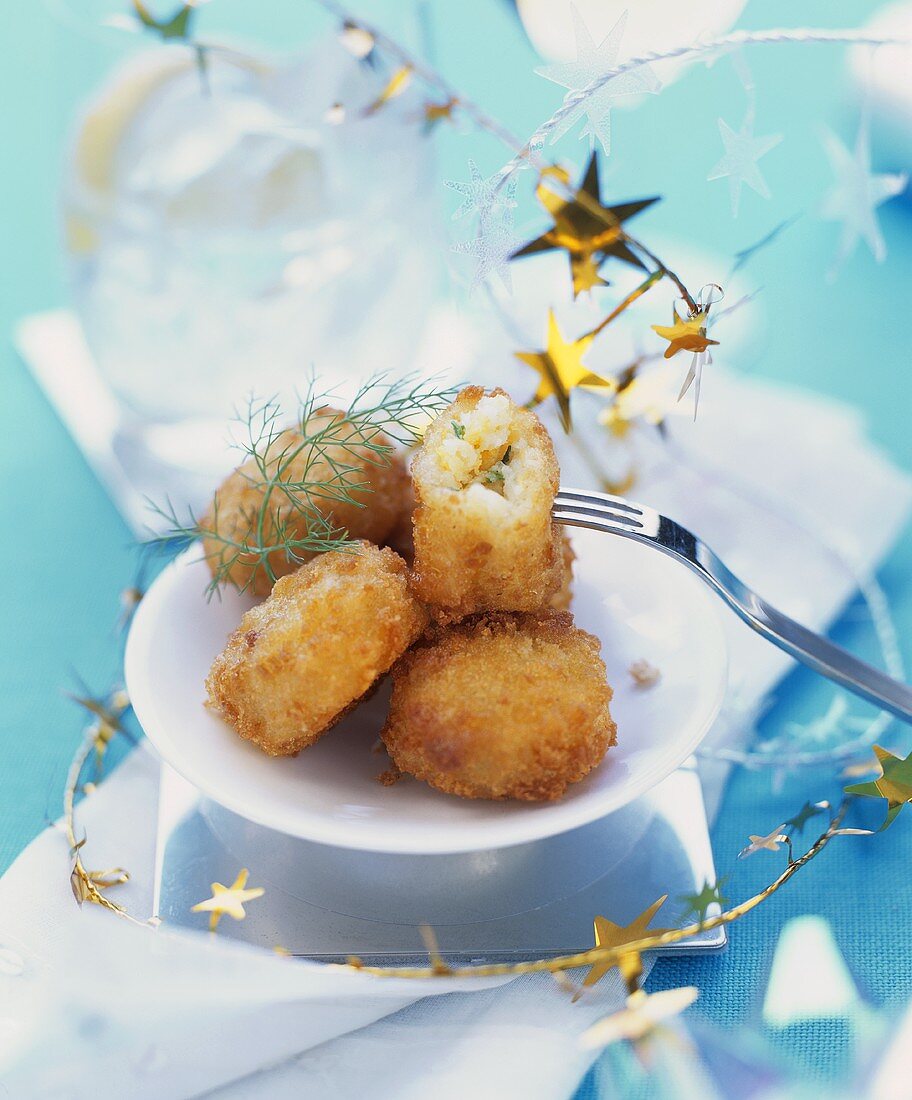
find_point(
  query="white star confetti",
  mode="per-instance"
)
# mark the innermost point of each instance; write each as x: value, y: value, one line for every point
x: 591, y: 62
x: 739, y: 165
x: 483, y: 195
x: 644, y: 1012
x: 769, y: 843
x: 856, y: 194
x: 492, y: 247
x: 358, y: 41
x: 228, y: 900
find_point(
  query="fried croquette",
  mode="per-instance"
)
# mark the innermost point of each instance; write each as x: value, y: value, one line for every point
x: 501, y: 706
x: 563, y: 597
x: 375, y: 484
x: 401, y: 538
x: 485, y: 477
x: 302, y: 658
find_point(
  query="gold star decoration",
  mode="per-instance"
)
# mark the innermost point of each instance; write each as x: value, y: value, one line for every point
x: 768, y: 843
x: 395, y: 86
x: 437, y: 112
x: 584, y: 268
x: 560, y: 369
x: 178, y: 26
x: 228, y: 900
x: 642, y: 1014
x: 586, y: 229
x: 130, y: 599
x: 107, y: 722
x: 895, y: 784
x: 699, y: 903
x: 804, y: 815
x: 685, y: 335
x: 609, y: 934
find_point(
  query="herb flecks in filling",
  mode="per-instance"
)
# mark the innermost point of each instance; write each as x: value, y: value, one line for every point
x: 479, y: 447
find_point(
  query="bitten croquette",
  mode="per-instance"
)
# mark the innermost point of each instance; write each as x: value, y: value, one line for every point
x: 501, y: 706
x: 485, y: 477
x: 563, y: 597
x: 377, y: 483
x: 302, y: 658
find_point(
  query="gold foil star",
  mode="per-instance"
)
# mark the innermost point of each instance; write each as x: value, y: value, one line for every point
x: 643, y: 1013
x: 708, y: 895
x: 107, y: 720
x: 561, y: 370
x: 609, y: 934
x: 584, y: 269
x: 178, y: 26
x: 895, y: 785
x: 586, y: 229
x: 437, y: 112
x: 804, y: 815
x: 228, y: 899
x: 396, y: 85
x: 769, y: 843
x: 689, y: 335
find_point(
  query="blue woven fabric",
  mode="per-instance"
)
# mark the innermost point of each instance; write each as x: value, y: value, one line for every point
x: 66, y: 555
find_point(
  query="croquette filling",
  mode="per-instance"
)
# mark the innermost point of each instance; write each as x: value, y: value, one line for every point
x: 479, y: 448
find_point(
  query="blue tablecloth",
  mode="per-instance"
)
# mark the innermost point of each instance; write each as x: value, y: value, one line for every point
x: 66, y: 554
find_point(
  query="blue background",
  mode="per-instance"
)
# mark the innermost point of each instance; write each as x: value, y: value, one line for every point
x: 66, y: 555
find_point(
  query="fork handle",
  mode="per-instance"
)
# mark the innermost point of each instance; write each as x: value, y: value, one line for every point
x: 811, y: 649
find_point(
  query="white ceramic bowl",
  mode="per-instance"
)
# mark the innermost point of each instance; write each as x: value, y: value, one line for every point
x: 639, y: 603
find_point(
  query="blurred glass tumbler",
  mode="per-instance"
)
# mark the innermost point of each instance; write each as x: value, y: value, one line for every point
x: 229, y: 241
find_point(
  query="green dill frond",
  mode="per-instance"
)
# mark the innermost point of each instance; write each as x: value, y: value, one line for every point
x: 296, y: 472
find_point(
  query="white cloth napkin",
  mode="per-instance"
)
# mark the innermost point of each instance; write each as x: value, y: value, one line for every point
x: 87, y: 998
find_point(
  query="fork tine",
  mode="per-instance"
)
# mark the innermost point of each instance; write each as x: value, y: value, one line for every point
x: 582, y: 496
x: 574, y: 513
x: 601, y: 512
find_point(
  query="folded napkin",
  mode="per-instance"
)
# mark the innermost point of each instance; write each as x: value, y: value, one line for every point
x: 86, y: 998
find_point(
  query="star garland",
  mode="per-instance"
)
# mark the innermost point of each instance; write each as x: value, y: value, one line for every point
x: 894, y: 784
x: 609, y: 934
x: 616, y: 945
x: 586, y: 229
x: 560, y: 370
x: 590, y: 233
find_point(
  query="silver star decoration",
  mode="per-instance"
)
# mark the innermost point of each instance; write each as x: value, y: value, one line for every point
x: 483, y: 195
x: 856, y: 194
x: 739, y: 165
x: 593, y: 61
x: 492, y: 247
x: 769, y: 843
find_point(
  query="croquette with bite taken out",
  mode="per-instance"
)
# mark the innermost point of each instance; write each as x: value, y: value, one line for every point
x: 485, y: 477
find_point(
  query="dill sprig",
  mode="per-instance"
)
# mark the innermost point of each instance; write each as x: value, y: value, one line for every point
x: 297, y: 472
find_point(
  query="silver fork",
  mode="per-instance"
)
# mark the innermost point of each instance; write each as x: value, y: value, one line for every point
x: 601, y: 512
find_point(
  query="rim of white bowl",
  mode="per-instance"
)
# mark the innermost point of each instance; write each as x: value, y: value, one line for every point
x: 529, y: 822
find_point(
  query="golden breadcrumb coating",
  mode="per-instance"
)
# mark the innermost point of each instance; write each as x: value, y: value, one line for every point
x: 563, y: 597
x: 302, y: 658
x: 377, y: 482
x: 401, y: 538
x: 501, y: 706
x: 485, y: 477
